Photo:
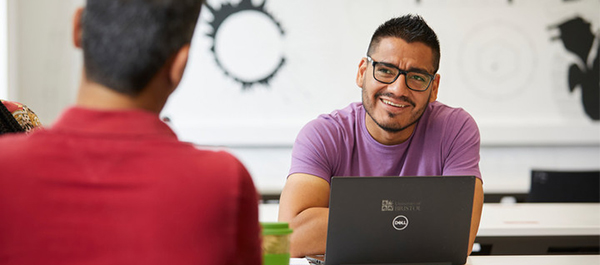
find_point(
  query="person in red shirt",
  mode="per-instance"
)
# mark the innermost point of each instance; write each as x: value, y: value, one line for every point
x: 109, y: 183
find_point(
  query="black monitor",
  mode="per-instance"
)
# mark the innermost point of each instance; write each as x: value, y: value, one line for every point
x: 564, y: 186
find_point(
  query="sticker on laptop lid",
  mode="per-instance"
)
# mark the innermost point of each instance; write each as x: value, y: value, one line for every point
x: 393, y: 206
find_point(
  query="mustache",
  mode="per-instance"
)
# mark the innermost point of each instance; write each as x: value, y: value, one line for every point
x: 390, y: 95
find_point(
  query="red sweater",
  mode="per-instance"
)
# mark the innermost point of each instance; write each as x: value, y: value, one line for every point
x: 117, y: 187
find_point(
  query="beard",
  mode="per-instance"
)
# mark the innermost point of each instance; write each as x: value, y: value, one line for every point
x: 392, y: 126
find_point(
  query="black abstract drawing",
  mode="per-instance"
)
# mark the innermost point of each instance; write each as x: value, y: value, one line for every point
x: 577, y: 37
x: 227, y: 10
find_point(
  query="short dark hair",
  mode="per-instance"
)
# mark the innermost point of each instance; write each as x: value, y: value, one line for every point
x: 126, y: 42
x: 410, y: 28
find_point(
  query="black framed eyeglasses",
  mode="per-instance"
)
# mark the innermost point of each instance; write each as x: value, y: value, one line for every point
x: 388, y: 73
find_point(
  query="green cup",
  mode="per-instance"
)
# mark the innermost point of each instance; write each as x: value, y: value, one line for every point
x: 276, y: 243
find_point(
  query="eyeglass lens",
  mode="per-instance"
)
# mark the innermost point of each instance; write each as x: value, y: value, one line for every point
x: 387, y: 74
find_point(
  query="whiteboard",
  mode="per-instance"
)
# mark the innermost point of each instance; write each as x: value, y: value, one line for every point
x: 271, y: 66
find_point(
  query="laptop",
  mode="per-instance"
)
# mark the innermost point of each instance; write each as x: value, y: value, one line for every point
x: 399, y: 220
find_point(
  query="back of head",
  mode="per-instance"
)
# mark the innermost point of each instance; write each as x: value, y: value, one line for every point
x: 126, y: 42
x: 410, y: 28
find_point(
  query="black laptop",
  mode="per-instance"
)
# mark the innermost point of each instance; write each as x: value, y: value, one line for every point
x: 399, y: 220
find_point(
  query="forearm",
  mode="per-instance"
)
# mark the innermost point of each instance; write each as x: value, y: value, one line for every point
x: 476, y: 215
x: 303, y: 204
x: 310, y: 232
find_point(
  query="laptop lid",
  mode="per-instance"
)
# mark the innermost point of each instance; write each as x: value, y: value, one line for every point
x: 397, y: 220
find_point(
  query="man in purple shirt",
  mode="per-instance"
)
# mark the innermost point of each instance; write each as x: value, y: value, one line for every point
x: 399, y: 129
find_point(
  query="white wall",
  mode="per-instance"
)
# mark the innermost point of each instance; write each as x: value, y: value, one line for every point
x: 44, y: 72
x: 502, y: 61
x: 43, y: 64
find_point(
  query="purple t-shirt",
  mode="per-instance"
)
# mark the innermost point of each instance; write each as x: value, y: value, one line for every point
x: 445, y: 142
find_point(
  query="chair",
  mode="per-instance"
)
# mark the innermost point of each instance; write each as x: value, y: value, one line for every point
x: 564, y: 186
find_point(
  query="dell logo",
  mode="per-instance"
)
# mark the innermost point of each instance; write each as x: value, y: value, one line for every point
x: 400, y: 222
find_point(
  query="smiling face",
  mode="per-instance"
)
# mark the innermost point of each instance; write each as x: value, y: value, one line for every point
x: 393, y: 109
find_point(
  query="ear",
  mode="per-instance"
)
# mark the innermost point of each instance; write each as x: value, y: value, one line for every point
x: 362, y: 68
x: 434, y: 88
x: 178, y: 66
x: 77, y: 27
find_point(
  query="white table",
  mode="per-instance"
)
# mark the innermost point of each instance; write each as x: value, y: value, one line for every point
x: 540, y: 219
x: 525, y: 228
x: 535, y: 260
x: 516, y: 260
x: 519, y: 219
x: 539, y: 228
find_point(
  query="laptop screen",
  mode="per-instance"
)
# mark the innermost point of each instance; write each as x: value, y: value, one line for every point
x: 395, y: 220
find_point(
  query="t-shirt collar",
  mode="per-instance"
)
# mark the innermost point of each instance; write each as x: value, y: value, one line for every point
x: 133, y: 122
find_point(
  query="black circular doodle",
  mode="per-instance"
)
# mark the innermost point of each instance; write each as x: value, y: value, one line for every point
x: 228, y: 10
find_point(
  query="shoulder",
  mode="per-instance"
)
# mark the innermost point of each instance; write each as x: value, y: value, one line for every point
x: 216, y: 161
x: 441, y: 110
x: 444, y: 122
x: 222, y: 166
x: 331, y: 131
x: 342, y: 121
x: 347, y: 114
x: 208, y: 156
x: 201, y: 167
x: 325, y: 141
x: 440, y: 114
